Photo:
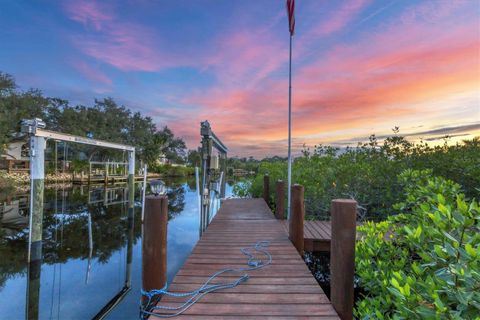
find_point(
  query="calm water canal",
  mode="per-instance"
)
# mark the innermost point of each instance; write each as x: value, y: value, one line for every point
x: 85, y: 249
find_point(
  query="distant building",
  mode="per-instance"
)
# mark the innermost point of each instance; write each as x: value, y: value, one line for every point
x: 15, y: 156
x: 162, y: 159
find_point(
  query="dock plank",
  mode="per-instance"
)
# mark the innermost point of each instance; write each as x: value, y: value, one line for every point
x: 316, y: 235
x: 285, y: 289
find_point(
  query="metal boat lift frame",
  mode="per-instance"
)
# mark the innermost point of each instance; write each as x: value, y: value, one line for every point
x: 38, y: 136
x: 210, y: 141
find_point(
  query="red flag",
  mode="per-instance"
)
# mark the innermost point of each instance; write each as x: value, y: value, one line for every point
x: 291, y: 16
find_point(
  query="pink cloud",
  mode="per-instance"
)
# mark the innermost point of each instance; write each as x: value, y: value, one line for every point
x: 377, y: 79
x: 89, y: 13
x: 91, y: 73
x: 245, y: 58
x: 380, y: 77
x: 122, y: 44
x: 237, y: 56
x: 341, y: 17
x: 430, y: 11
x: 423, y: 54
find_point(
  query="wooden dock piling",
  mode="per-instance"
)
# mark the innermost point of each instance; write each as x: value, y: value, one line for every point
x: 35, y: 242
x: 154, y: 246
x: 342, y: 256
x: 280, y: 199
x: 297, y: 218
x: 266, y: 189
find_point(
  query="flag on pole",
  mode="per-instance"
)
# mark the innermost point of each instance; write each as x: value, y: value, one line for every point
x: 291, y: 16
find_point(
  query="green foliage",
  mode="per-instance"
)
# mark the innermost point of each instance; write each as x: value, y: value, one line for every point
x: 15, y: 105
x: 105, y: 120
x: 194, y: 158
x: 248, y: 164
x: 242, y: 188
x: 172, y: 171
x: 171, y: 147
x: 6, y: 184
x: 79, y: 165
x: 425, y: 262
x: 368, y: 173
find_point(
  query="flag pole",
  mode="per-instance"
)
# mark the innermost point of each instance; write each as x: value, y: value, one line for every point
x: 289, y: 130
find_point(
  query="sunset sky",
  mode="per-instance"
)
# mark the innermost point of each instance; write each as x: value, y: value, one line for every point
x: 359, y: 67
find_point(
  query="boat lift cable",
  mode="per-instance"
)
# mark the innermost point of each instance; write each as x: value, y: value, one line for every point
x: 62, y: 217
x: 57, y: 222
x: 207, y: 287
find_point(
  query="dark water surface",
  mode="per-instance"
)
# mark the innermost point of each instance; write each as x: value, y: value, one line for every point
x: 85, y: 246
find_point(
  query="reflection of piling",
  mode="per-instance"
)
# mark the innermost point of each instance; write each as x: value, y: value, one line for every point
x: 107, y: 308
x: 90, y: 247
x: 144, y: 189
x: 199, y: 195
x: 33, y: 289
x: 154, y: 250
x: 131, y: 206
x: 342, y: 253
x: 130, y: 236
x: 297, y: 217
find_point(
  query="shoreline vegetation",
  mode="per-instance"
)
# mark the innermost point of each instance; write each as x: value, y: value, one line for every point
x: 164, y: 153
x: 14, y: 180
x: 369, y: 173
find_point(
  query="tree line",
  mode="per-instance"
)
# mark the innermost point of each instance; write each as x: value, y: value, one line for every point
x: 104, y: 120
x: 368, y: 173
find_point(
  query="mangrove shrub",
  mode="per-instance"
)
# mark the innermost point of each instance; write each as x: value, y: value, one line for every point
x: 425, y: 262
x: 368, y: 173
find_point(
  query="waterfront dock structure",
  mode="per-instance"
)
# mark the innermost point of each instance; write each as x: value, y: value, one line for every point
x: 317, y: 235
x: 286, y: 289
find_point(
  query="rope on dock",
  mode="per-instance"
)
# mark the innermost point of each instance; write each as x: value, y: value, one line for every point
x: 252, y: 264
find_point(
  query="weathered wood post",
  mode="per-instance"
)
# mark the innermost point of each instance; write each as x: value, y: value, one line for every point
x: 89, y: 172
x: 37, y: 182
x: 342, y: 256
x: 105, y: 177
x: 266, y: 189
x: 131, y: 209
x: 280, y: 199
x: 297, y: 217
x: 154, y: 246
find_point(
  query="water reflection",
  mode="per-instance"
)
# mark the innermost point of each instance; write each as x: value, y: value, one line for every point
x: 91, y: 250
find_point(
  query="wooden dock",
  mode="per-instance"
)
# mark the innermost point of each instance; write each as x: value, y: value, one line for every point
x: 96, y: 179
x: 286, y: 289
x: 317, y: 235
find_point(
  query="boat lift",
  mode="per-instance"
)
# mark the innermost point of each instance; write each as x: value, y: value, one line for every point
x: 38, y: 136
x: 210, y: 165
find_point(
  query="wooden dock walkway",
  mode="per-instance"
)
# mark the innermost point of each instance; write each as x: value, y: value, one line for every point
x: 317, y: 235
x: 286, y: 289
